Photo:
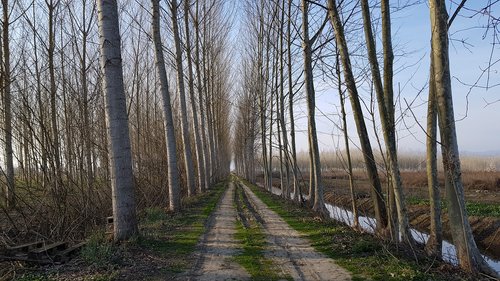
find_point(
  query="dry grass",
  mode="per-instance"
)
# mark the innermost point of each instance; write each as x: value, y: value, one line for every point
x: 480, y: 175
x: 473, y: 180
x: 335, y: 160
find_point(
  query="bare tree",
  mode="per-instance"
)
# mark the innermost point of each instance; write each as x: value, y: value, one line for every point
x: 434, y: 244
x: 386, y: 107
x: 186, y: 144
x: 346, y: 143
x: 296, y: 186
x: 311, y: 107
x: 122, y: 182
x: 202, y: 122
x: 173, y: 173
x: 468, y: 254
x: 197, y: 139
x: 57, y: 189
x: 10, y: 195
x: 377, y: 196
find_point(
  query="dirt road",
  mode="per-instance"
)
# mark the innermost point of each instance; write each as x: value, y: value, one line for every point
x: 219, y: 245
x: 291, y: 254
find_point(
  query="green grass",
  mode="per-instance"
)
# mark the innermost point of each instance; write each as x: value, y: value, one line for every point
x: 412, y: 200
x: 473, y: 208
x: 176, y: 235
x: 364, y: 255
x: 34, y: 277
x: 98, y: 250
x: 254, y: 244
x: 482, y: 209
x: 162, y: 250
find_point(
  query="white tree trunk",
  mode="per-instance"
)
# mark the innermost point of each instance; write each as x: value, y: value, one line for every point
x: 197, y: 137
x: 168, y: 121
x: 311, y: 107
x: 10, y: 195
x: 296, y: 187
x: 188, y: 158
x: 122, y: 180
x: 385, y: 110
x: 203, y: 121
x: 371, y: 167
x: 434, y: 244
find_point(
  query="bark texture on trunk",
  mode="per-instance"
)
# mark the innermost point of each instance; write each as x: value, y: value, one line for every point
x: 10, y: 196
x: 385, y: 110
x: 371, y: 167
x: 435, y: 242
x: 296, y: 188
x: 188, y: 156
x: 122, y: 179
x: 311, y: 108
x: 168, y: 121
x: 202, y: 121
x: 347, y: 145
x: 57, y: 188
x: 468, y: 254
x: 197, y: 138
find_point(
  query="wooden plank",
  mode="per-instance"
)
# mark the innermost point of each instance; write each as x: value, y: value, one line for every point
x: 65, y: 255
x: 25, y: 258
x: 23, y: 248
x: 47, y: 250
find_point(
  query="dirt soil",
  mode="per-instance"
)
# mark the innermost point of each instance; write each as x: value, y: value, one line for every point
x: 294, y: 255
x: 218, y: 246
x: 486, y: 230
x: 480, y: 187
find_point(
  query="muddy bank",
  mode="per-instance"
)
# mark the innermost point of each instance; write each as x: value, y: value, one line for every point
x: 486, y: 230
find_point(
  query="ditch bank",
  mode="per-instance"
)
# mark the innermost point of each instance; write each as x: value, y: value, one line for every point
x: 486, y: 230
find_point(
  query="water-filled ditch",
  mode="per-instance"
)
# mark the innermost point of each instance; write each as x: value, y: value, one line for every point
x: 368, y: 224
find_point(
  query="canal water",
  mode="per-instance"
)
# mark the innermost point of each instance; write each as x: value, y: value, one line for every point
x: 368, y: 224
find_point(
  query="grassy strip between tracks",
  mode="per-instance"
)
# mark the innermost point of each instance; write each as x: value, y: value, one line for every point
x: 365, y: 256
x: 251, y: 236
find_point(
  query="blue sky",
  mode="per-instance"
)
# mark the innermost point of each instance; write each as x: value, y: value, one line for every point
x: 478, y: 125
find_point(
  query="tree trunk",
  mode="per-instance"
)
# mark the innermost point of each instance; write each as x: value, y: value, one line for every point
x: 10, y: 195
x: 346, y: 142
x: 385, y: 109
x: 282, y: 106
x: 188, y: 158
x: 377, y: 196
x: 296, y: 187
x: 319, y: 203
x: 57, y: 180
x: 435, y: 242
x: 203, y: 125
x: 197, y: 140
x: 86, y: 114
x: 467, y: 252
x: 122, y: 179
x: 173, y: 172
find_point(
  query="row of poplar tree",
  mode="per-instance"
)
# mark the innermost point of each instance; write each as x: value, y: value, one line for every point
x: 278, y: 33
x: 110, y: 105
